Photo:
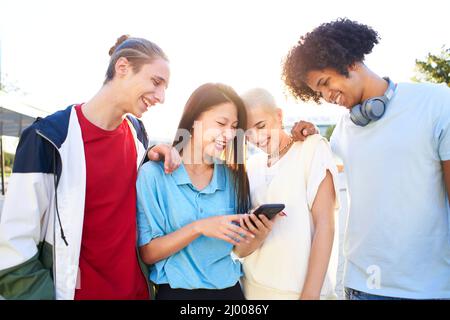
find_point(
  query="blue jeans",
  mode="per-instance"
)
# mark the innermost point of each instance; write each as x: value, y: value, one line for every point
x: 351, y: 294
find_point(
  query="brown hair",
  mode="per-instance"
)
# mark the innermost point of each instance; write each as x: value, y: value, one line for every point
x: 137, y: 51
x: 204, y: 98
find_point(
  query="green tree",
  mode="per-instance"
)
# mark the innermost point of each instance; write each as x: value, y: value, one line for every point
x: 9, y: 159
x: 9, y: 162
x: 435, y: 68
x: 329, y: 132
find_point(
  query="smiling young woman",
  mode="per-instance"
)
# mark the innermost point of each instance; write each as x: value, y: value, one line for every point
x: 189, y: 221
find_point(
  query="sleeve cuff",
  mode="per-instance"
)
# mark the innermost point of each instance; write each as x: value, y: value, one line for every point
x: 235, y: 258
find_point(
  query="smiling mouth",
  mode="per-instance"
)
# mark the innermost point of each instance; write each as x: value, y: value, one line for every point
x: 147, y: 102
x: 337, y: 99
x: 264, y: 143
x: 220, y: 145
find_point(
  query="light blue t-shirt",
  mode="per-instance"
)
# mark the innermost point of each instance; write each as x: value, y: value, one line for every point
x: 397, y: 239
x: 167, y: 202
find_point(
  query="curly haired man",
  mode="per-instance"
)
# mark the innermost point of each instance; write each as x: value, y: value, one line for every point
x: 395, y: 145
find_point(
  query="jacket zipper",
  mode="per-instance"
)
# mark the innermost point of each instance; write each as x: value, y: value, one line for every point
x: 54, y: 216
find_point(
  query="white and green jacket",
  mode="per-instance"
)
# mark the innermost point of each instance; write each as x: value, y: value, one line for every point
x: 40, y: 230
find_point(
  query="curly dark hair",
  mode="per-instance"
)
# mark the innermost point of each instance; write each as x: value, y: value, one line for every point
x: 335, y: 45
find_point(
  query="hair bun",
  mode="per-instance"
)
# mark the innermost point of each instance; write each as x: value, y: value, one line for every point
x: 118, y: 43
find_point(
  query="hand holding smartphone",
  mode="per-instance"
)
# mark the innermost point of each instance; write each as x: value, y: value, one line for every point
x: 261, y: 227
x: 269, y: 210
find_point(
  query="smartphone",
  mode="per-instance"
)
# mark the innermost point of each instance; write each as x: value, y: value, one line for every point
x: 270, y: 210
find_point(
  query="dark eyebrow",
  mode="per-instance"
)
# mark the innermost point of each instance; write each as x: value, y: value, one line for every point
x: 258, y: 123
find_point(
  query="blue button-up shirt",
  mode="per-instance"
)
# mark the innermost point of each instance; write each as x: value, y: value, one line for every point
x: 167, y: 202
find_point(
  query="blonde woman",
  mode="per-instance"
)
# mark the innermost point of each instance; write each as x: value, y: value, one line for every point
x: 289, y: 258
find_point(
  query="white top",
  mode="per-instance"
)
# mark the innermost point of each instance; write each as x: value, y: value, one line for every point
x: 278, y: 269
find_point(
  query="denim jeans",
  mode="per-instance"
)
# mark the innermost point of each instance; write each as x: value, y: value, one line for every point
x: 351, y: 294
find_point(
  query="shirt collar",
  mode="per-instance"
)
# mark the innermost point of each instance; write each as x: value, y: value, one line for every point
x: 217, y: 182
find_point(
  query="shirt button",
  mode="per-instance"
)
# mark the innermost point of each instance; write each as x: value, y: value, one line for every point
x: 201, y: 210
